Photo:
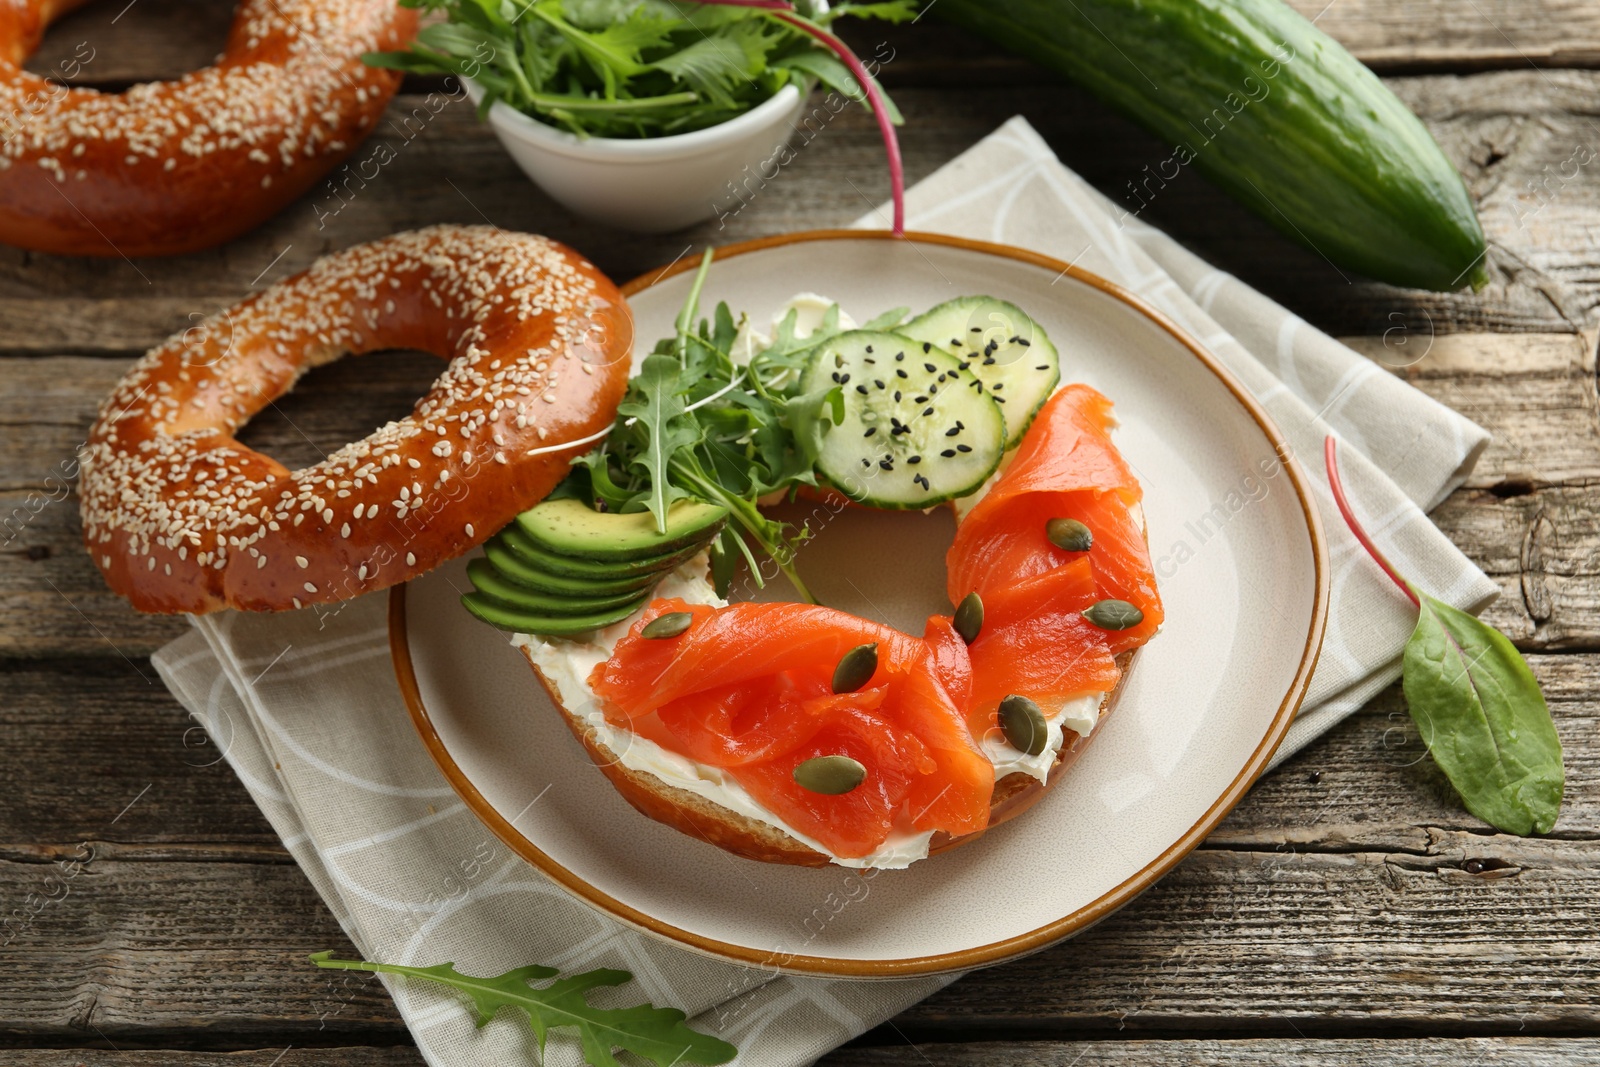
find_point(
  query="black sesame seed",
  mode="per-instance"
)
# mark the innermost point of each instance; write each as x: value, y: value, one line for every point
x: 921, y: 399
x: 901, y: 372
x: 897, y: 396
x: 926, y: 347
x: 928, y: 410
x: 948, y: 453
x: 899, y: 356
x: 836, y: 376
x: 999, y: 400
x: 914, y: 459
x: 963, y: 448
x: 886, y: 464
x: 952, y: 431
x: 923, y: 480
x: 866, y: 463
x: 988, y: 361
x: 977, y: 329
x: 870, y: 431
x: 878, y: 382
x: 929, y: 367
x: 964, y: 364
x: 1023, y: 342
x: 869, y: 348
x: 864, y: 359
x: 998, y: 385
x: 1042, y: 366
x: 861, y: 389
x: 844, y: 380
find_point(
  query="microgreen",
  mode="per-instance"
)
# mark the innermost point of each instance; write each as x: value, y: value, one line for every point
x: 657, y: 1034
x: 698, y: 423
x: 1475, y: 702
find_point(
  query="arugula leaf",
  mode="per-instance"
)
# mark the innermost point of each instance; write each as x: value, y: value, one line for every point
x: 718, y: 64
x: 811, y: 417
x: 1485, y: 722
x: 828, y: 69
x: 655, y: 400
x: 657, y: 1034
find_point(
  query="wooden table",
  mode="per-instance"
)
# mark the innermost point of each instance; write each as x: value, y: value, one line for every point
x: 1347, y: 912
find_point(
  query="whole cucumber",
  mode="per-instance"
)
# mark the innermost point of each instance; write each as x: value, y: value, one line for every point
x: 1271, y: 109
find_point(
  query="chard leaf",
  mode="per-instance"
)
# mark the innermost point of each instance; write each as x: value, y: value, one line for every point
x: 657, y: 1034
x: 655, y: 399
x: 1484, y: 720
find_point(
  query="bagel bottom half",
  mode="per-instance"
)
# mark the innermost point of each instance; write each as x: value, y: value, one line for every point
x: 752, y: 839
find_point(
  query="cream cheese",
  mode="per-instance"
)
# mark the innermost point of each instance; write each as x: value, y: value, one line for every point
x: 1078, y: 714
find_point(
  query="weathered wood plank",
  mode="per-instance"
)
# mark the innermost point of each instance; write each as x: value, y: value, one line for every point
x: 350, y: 1056
x: 1400, y: 1052
x: 1368, y: 939
x: 98, y: 750
x: 1509, y: 131
x: 163, y: 38
x: 207, y: 948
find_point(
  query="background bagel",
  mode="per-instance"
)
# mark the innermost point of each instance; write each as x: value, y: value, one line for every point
x: 170, y: 167
x: 180, y: 517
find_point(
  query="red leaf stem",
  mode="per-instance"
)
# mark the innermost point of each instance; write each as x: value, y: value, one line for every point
x: 1330, y: 457
x: 784, y: 11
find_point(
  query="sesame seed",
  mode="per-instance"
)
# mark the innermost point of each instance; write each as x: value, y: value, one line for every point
x: 411, y: 559
x: 302, y: 562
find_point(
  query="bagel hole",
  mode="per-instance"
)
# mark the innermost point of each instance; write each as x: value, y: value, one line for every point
x: 112, y: 44
x: 886, y: 566
x: 340, y: 402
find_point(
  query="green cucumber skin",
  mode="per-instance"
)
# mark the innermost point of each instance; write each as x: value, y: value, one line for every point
x: 1320, y: 148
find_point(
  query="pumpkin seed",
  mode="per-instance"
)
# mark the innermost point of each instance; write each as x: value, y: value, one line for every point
x: 856, y: 668
x: 1069, y: 534
x: 829, y: 775
x: 1023, y: 724
x: 1114, y: 615
x: 969, y: 618
x: 671, y: 624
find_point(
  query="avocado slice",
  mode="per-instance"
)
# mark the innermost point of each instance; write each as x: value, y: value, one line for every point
x: 572, y: 528
x: 601, y: 570
x: 506, y: 617
x: 487, y: 580
x: 514, y: 568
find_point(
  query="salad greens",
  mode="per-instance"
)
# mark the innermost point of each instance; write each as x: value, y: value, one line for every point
x: 638, y: 68
x: 1476, y: 704
x: 699, y: 423
x: 656, y: 1034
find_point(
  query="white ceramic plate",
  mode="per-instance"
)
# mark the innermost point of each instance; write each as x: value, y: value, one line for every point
x: 1243, y: 574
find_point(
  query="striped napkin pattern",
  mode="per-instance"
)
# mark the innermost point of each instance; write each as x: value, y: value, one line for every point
x: 306, y: 709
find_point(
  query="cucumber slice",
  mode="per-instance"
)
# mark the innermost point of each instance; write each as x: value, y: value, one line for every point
x: 508, y: 617
x: 996, y: 341
x: 917, y: 429
x: 570, y: 567
x: 514, y: 568
x: 489, y: 581
x: 572, y: 528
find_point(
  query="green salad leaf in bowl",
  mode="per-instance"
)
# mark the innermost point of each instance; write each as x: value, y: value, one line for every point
x: 637, y: 68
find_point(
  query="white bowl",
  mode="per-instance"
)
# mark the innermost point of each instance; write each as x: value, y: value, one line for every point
x: 654, y: 184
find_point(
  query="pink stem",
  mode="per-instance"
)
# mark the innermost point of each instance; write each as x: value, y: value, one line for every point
x: 1330, y: 457
x: 783, y: 11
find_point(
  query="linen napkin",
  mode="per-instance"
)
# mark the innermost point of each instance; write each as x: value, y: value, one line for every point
x: 306, y: 709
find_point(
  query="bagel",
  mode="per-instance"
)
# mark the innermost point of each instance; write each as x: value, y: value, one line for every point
x: 755, y: 839
x: 180, y: 517
x: 655, y: 768
x: 172, y: 167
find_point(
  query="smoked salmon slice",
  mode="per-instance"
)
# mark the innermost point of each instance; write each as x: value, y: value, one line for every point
x: 748, y: 688
x: 1066, y: 467
x: 1036, y: 643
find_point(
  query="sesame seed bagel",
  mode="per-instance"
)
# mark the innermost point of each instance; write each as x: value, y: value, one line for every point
x: 180, y: 517
x: 170, y: 167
